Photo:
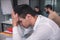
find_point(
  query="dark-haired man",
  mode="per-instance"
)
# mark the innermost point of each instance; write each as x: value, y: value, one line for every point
x: 52, y: 14
x: 43, y: 28
x: 38, y: 10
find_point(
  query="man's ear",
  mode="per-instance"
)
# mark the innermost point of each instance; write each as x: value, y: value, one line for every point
x: 28, y: 16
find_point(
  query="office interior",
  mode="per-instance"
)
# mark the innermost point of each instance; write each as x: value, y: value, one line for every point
x: 7, y: 5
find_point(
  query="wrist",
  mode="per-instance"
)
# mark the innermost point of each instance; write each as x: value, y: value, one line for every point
x: 15, y: 24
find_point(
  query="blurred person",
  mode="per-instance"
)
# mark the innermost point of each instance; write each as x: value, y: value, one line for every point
x: 52, y: 14
x: 38, y: 10
x: 43, y: 28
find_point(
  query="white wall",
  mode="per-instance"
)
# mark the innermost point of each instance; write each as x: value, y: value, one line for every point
x: 6, y: 6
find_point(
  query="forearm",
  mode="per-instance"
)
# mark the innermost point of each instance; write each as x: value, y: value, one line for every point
x: 17, y: 34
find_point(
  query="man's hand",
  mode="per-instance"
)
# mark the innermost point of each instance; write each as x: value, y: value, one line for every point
x: 14, y: 18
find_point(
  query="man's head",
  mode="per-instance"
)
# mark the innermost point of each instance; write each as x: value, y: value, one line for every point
x: 26, y: 15
x: 37, y: 9
x: 48, y: 7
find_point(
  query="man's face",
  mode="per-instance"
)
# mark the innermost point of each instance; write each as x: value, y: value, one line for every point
x: 36, y: 9
x: 46, y: 9
x: 24, y: 22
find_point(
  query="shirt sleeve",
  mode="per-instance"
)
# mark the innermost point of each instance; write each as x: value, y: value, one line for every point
x: 43, y: 32
x: 17, y: 34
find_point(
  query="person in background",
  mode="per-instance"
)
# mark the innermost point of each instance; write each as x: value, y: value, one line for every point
x: 52, y: 14
x: 43, y: 28
x: 38, y: 10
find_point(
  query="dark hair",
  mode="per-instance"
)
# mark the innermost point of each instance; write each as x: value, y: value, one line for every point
x: 49, y: 6
x: 23, y: 10
x: 36, y: 6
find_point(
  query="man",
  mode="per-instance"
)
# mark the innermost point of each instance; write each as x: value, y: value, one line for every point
x: 52, y: 14
x: 38, y: 10
x: 43, y: 28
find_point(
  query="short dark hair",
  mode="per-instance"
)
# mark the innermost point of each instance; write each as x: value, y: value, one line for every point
x: 37, y: 7
x: 23, y: 10
x: 49, y: 6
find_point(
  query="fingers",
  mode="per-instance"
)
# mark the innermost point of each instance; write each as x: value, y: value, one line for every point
x: 14, y: 15
x: 14, y: 18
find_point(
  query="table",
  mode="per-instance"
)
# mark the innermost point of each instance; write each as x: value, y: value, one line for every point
x: 5, y: 36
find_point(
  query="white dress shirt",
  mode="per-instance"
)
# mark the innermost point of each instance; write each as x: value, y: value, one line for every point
x: 44, y: 29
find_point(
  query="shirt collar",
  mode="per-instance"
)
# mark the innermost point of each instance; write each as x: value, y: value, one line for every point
x: 37, y: 22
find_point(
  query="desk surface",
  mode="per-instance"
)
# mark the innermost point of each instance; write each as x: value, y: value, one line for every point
x: 6, y: 34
